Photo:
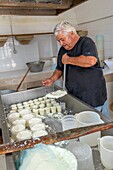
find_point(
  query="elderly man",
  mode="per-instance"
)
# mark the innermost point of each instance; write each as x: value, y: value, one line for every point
x: 84, y: 76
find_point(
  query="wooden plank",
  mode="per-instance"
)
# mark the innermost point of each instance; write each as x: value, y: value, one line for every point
x: 30, y: 12
x: 53, y: 138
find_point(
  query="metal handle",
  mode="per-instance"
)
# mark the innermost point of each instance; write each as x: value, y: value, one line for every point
x: 23, y: 79
x: 64, y: 80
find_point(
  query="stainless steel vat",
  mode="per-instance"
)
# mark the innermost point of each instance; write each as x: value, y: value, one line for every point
x: 71, y: 102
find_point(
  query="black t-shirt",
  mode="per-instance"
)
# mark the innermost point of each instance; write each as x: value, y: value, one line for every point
x: 87, y: 84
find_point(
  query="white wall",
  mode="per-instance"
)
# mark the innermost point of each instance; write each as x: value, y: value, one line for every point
x: 25, y: 53
x: 40, y: 46
x: 94, y: 9
x: 70, y: 16
x: 96, y: 16
x: 27, y: 24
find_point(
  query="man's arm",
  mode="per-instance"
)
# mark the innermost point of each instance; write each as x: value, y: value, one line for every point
x: 56, y: 75
x: 81, y: 60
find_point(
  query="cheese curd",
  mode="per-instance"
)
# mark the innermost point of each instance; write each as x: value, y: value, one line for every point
x: 17, y: 128
x: 34, y: 121
x: 23, y: 135
x: 19, y: 122
x: 47, y: 157
x: 57, y: 94
x: 40, y: 133
x: 13, y: 116
x: 38, y: 127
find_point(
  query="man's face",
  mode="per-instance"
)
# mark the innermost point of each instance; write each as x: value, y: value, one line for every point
x: 65, y: 40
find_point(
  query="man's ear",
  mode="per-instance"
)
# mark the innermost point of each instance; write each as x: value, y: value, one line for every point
x: 71, y: 33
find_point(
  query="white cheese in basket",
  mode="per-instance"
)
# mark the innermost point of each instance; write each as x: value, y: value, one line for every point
x: 57, y: 94
x: 47, y: 157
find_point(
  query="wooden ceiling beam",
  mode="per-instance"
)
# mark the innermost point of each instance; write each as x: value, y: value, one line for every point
x: 14, y: 7
x: 10, y: 35
x: 29, y: 12
x: 77, y: 2
x: 23, y: 5
x: 73, y: 3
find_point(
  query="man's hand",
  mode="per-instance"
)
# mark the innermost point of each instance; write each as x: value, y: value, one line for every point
x: 65, y: 59
x: 47, y: 82
x: 56, y: 75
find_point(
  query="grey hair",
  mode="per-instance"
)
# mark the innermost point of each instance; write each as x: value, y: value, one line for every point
x: 64, y: 27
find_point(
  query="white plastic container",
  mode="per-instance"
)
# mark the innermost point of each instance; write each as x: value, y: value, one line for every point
x: 68, y: 122
x: 87, y: 118
x: 47, y: 110
x: 53, y: 109
x: 105, y: 145
x: 83, y: 154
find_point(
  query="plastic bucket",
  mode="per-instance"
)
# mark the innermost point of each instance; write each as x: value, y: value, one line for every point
x: 87, y: 118
x: 83, y: 154
x: 105, y: 145
x: 68, y: 122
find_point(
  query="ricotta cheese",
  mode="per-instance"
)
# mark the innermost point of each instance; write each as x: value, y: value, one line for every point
x: 57, y: 94
x: 47, y: 157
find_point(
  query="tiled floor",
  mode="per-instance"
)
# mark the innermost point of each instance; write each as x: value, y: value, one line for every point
x: 111, y: 110
x: 2, y: 163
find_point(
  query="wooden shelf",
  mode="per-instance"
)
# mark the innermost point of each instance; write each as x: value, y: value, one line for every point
x: 28, y: 34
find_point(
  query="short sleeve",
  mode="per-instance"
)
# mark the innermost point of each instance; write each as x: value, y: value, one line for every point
x: 60, y: 65
x: 89, y: 48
